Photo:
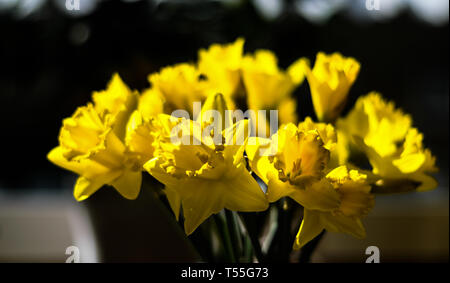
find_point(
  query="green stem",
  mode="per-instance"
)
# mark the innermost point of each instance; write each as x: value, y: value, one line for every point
x: 234, y: 233
x: 226, y: 240
x: 251, y: 231
x: 248, y: 249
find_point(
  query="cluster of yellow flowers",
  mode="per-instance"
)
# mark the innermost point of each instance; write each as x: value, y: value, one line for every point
x: 123, y: 133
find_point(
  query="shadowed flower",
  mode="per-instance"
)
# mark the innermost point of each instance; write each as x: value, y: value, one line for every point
x: 377, y: 122
x: 393, y: 147
x: 354, y: 202
x: 406, y: 170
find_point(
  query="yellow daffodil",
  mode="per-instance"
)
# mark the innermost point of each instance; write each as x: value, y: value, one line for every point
x: 203, y: 178
x: 91, y: 143
x: 181, y: 85
x: 330, y: 81
x: 289, y: 162
x: 406, y: 170
x: 297, y: 168
x: 394, y: 148
x: 221, y: 64
x: 270, y: 88
x: 90, y: 148
x: 354, y: 202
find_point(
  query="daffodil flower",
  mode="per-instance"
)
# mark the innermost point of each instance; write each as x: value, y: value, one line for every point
x: 377, y: 122
x: 393, y: 147
x: 221, y: 64
x: 298, y: 170
x: 204, y: 178
x: 180, y: 85
x: 270, y: 88
x: 90, y: 148
x: 405, y: 171
x: 91, y: 143
x: 289, y: 163
x: 330, y: 81
x: 354, y: 202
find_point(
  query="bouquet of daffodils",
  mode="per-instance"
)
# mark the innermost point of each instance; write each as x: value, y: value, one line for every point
x: 223, y: 137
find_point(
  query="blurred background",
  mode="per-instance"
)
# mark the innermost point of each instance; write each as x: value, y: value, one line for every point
x: 52, y: 58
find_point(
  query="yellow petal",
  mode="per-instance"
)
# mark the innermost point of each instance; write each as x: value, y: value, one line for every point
x: 244, y: 193
x: 343, y: 224
x: 155, y: 167
x: 128, y: 184
x: 410, y: 163
x: 181, y: 86
x: 426, y: 182
x: 277, y: 189
x: 221, y: 64
x: 85, y: 167
x: 326, y: 132
x: 84, y: 187
x: 287, y: 111
x: 236, y: 138
x: 200, y: 199
x: 265, y: 83
x: 117, y: 101
x: 174, y: 200
x: 216, y: 102
x: 319, y: 196
x: 84, y: 133
x: 297, y: 70
x: 309, y: 229
x: 151, y: 103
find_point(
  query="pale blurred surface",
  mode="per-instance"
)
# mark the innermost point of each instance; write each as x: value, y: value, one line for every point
x: 39, y: 227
